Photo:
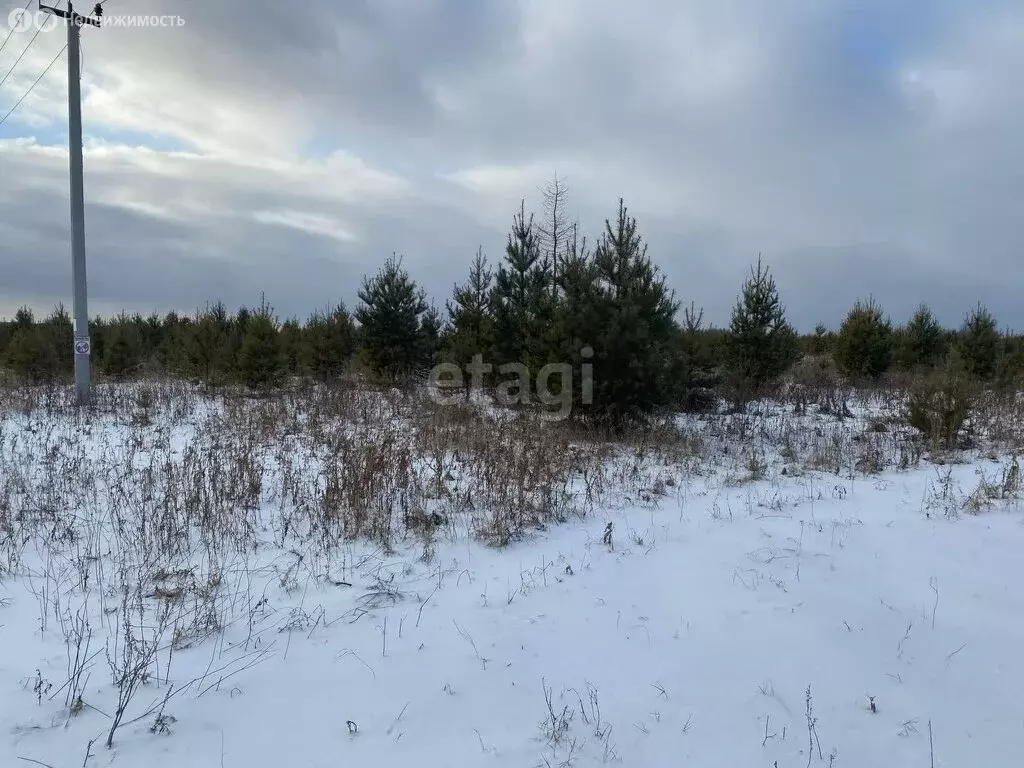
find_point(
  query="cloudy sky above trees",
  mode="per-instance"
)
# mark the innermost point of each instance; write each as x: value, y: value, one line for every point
x: 868, y: 148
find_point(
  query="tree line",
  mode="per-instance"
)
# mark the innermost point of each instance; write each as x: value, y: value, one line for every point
x: 603, y: 308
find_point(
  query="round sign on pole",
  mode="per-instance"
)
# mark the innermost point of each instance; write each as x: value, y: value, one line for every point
x: 82, y: 345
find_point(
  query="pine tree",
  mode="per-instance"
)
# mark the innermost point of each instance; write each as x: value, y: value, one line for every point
x: 329, y: 343
x: 30, y: 355
x: 61, y: 332
x: 518, y: 300
x: 122, y: 351
x: 170, y: 354
x: 390, y: 314
x: 923, y: 343
x: 152, y: 332
x: 578, y: 323
x: 821, y: 340
x: 470, y: 317
x: 864, y: 345
x: 761, y: 344
x: 24, y: 319
x: 207, y: 347
x: 291, y: 339
x: 1010, y: 370
x: 618, y: 304
x: 697, y: 353
x: 261, y: 363
x: 236, y: 333
x: 99, y: 333
x: 432, y: 332
x: 979, y: 343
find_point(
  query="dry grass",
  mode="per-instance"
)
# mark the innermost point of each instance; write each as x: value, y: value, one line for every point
x: 180, y: 505
x: 164, y: 500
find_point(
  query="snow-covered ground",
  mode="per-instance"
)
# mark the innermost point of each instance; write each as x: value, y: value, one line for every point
x: 805, y: 618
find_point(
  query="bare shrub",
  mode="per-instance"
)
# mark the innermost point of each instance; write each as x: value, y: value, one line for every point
x: 815, y: 380
x: 1005, y: 485
x: 132, y: 656
x: 939, y: 403
x: 829, y: 451
x: 871, y: 453
x: 999, y: 416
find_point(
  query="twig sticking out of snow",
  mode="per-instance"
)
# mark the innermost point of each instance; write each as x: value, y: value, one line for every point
x: 466, y: 636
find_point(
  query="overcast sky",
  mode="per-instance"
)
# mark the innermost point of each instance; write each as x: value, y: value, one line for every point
x: 870, y: 148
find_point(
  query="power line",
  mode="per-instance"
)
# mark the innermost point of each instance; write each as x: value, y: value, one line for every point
x: 10, y: 32
x: 32, y: 87
x: 15, y: 65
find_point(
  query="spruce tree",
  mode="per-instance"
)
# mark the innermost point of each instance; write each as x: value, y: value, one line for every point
x: 761, y: 343
x: 390, y: 321
x: 864, y: 346
x: 979, y: 343
x: 261, y: 363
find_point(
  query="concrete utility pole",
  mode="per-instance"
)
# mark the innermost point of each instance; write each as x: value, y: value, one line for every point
x: 83, y: 346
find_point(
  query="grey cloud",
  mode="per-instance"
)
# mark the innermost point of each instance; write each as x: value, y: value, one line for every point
x: 149, y: 263
x: 365, y: 65
x: 731, y: 128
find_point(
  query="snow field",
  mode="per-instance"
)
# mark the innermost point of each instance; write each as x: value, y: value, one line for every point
x: 692, y: 639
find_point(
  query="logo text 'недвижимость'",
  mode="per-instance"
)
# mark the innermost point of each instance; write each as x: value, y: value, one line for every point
x: 22, y: 19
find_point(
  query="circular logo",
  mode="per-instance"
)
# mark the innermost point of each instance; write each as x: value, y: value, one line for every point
x: 82, y: 346
x: 19, y: 19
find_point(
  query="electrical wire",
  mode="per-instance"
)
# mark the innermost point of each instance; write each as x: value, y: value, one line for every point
x: 15, y: 65
x: 32, y: 87
x: 10, y: 32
